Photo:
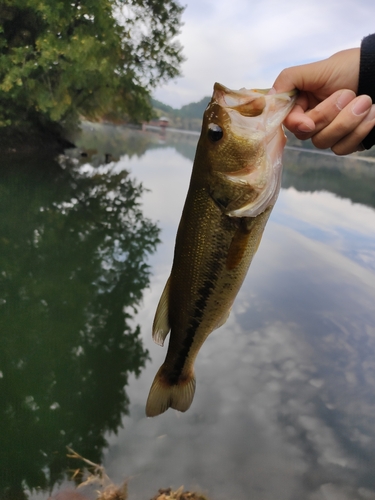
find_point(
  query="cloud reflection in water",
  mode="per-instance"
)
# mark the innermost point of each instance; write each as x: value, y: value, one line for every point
x: 285, y: 399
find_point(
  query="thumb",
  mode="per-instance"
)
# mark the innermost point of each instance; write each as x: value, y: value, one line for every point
x: 307, y: 77
x: 287, y: 80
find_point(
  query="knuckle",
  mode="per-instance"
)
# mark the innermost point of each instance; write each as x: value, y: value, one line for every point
x: 284, y: 74
x: 320, y: 142
x: 302, y: 136
x: 339, y: 150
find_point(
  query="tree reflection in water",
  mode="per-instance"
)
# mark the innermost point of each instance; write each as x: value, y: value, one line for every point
x: 73, y: 244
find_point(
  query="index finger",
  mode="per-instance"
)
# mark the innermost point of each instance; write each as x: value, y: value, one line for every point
x: 326, y: 111
x: 297, y: 120
x: 317, y: 117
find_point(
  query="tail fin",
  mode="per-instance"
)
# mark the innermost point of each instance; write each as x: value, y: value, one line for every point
x: 163, y: 395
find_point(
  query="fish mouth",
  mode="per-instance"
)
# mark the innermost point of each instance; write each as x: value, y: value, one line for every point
x: 254, y: 111
x: 229, y: 98
x: 257, y: 116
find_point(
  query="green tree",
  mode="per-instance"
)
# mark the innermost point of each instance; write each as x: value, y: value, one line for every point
x: 62, y: 59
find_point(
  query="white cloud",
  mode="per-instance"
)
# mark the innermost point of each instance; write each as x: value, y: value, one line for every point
x: 326, y: 211
x: 247, y: 43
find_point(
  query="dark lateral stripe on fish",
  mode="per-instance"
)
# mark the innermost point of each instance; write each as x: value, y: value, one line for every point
x: 204, y: 294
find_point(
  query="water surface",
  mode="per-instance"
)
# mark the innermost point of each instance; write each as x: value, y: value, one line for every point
x: 285, y: 399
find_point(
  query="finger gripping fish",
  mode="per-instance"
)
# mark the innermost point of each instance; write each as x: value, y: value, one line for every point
x: 234, y: 185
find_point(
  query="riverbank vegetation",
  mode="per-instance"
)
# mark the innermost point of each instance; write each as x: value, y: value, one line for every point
x: 67, y: 59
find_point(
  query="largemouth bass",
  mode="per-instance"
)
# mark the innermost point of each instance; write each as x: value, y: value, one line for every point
x: 234, y: 185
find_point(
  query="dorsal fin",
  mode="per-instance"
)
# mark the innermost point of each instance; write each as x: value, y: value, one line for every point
x: 161, y: 327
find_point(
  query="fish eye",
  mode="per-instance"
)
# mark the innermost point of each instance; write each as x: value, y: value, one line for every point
x: 215, y: 133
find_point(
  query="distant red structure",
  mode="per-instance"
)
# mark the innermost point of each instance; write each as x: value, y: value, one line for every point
x: 163, y: 122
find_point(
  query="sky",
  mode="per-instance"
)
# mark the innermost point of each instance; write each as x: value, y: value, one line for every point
x: 246, y: 43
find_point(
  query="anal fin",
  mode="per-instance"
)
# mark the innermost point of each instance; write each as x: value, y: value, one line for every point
x: 223, y: 319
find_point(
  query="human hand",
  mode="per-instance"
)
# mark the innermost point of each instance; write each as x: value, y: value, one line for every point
x: 327, y: 109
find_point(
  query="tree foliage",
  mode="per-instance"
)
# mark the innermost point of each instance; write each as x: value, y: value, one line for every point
x: 60, y: 59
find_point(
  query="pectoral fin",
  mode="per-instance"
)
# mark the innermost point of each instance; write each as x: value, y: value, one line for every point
x: 246, y: 238
x: 161, y: 327
x: 239, y: 243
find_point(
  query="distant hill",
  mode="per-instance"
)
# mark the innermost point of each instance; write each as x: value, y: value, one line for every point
x: 194, y: 109
x: 162, y: 107
x: 188, y: 117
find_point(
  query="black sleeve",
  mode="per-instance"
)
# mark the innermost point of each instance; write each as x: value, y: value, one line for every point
x: 366, y: 84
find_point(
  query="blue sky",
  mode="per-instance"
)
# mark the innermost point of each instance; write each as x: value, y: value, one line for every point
x: 246, y: 43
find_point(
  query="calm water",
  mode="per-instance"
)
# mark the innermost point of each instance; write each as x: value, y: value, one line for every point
x: 285, y: 401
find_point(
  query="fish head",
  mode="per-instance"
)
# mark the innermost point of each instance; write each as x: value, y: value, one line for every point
x: 242, y: 142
